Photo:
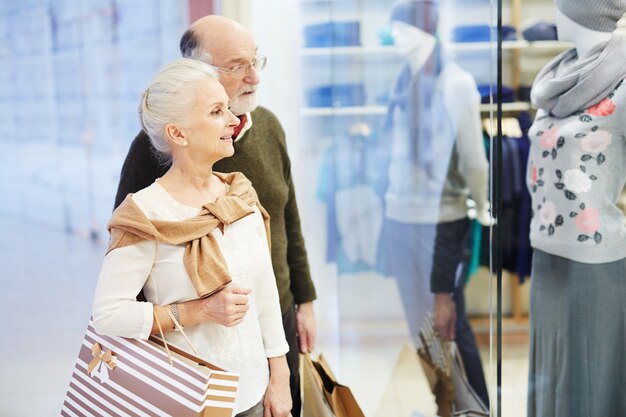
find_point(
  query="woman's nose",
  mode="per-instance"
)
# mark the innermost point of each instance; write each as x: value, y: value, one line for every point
x: 234, y: 120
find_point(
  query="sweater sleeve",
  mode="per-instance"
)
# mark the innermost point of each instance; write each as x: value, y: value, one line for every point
x: 448, y: 253
x: 301, y: 283
x: 116, y: 311
x: 141, y: 168
x: 473, y: 164
x: 268, y: 304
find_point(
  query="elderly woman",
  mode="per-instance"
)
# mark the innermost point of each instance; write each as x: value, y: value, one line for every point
x: 195, y: 242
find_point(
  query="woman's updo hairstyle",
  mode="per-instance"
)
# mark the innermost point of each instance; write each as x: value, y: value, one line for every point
x: 170, y: 98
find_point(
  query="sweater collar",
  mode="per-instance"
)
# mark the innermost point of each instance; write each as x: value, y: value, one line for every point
x: 570, y: 83
x: 245, y: 128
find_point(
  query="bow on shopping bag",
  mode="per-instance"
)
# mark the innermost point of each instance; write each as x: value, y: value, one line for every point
x: 101, y: 358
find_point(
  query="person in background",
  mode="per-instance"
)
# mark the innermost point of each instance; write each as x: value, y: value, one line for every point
x: 261, y: 155
x: 190, y: 233
x: 438, y: 162
x: 576, y: 172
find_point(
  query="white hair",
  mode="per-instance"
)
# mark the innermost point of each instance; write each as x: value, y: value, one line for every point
x: 170, y: 98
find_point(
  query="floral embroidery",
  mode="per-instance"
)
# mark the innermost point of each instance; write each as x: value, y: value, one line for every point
x: 548, y: 217
x: 587, y: 222
x: 575, y: 181
x: 547, y: 212
x: 537, y: 181
x: 604, y: 108
x: 551, y: 141
x: 550, y: 137
x: 594, y: 143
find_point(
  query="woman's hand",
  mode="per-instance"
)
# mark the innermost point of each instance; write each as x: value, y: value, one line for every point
x: 444, y: 316
x: 277, y: 401
x: 227, y: 307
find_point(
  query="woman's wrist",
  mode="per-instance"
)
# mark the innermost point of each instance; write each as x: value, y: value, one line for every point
x: 175, y: 313
x: 188, y: 313
x: 279, y: 370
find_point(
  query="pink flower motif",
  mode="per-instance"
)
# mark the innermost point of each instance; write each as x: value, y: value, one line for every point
x: 534, y: 175
x: 547, y: 213
x: 604, y: 108
x: 550, y: 138
x: 588, y: 220
x: 596, y: 142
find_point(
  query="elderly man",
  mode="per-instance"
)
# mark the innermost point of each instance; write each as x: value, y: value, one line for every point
x: 261, y: 154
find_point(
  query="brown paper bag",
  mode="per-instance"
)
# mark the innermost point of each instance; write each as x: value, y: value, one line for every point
x: 339, y: 397
x: 314, y: 402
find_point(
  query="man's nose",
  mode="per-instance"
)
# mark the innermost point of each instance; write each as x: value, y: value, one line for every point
x: 252, y: 76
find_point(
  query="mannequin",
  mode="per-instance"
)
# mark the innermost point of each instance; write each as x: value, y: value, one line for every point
x: 576, y: 171
x: 417, y: 45
x: 584, y: 39
x: 412, y: 42
x: 437, y: 162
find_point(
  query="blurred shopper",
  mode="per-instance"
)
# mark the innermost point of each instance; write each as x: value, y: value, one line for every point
x: 437, y: 162
x: 261, y: 155
x: 576, y: 172
x: 191, y: 233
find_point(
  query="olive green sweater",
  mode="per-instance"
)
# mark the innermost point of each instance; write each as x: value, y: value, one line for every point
x: 261, y: 154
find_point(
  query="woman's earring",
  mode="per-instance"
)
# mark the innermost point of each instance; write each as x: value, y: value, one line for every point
x: 185, y: 143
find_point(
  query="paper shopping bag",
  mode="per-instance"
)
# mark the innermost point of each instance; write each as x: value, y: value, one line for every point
x: 314, y: 402
x: 116, y: 376
x: 445, y: 372
x: 338, y: 396
x: 466, y: 402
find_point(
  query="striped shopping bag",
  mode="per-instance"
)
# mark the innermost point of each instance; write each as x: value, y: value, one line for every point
x: 115, y: 376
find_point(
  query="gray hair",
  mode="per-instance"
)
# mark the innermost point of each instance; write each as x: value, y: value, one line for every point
x: 169, y: 99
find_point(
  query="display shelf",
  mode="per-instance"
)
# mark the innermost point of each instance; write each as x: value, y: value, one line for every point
x: 515, y: 106
x: 482, y: 46
x: 330, y: 2
x: 374, y: 110
x: 343, y: 111
x: 506, y: 45
x: 448, y: 46
x: 350, y: 50
x: 549, y: 45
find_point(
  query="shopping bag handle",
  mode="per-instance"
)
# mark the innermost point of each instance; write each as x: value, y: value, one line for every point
x: 178, y: 327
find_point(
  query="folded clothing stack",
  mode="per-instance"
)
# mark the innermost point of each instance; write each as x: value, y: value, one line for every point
x: 481, y: 33
x: 332, y: 34
x: 336, y: 95
x: 541, y: 31
x: 508, y: 94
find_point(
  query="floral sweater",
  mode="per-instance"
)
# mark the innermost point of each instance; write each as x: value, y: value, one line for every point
x: 576, y: 172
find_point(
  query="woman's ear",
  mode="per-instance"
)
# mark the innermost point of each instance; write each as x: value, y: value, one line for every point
x: 176, y: 135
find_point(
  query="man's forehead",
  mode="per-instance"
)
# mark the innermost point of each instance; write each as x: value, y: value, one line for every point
x: 235, y: 54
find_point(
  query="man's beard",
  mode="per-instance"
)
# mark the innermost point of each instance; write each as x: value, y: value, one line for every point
x: 243, y: 103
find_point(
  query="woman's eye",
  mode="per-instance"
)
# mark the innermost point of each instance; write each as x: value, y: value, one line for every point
x: 217, y: 112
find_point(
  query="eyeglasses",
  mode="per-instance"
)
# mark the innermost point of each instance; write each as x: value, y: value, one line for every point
x: 240, y: 70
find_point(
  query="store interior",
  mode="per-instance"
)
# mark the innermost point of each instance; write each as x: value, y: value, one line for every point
x: 71, y: 74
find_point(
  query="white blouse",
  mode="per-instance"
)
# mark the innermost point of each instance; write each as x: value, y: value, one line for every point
x: 158, y: 268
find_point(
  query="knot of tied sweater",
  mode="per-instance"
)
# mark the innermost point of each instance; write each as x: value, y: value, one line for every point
x: 202, y: 258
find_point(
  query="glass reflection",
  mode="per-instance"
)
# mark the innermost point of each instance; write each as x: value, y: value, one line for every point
x: 437, y: 163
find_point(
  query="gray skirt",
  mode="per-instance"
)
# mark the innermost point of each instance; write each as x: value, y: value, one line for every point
x: 577, y: 363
